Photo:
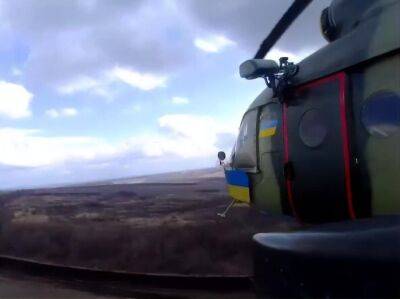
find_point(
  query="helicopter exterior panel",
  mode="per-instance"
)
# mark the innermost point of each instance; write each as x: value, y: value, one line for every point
x: 328, y: 147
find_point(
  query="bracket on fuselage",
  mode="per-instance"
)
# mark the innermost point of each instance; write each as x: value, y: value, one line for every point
x: 280, y: 81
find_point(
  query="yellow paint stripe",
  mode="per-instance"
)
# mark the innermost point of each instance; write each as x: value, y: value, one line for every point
x: 267, y: 132
x: 239, y: 193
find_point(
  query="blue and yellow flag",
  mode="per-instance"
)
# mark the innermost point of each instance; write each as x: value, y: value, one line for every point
x: 238, y: 185
x: 268, y: 128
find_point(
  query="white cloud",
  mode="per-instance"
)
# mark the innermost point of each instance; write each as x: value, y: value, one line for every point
x: 103, y: 92
x: 64, y: 112
x: 81, y: 83
x: 16, y: 72
x: 15, y: 100
x: 183, y: 135
x: 98, y: 86
x: 101, y: 85
x: 213, y: 44
x: 53, y: 113
x: 138, y: 80
x: 69, y: 112
x: 185, y: 141
x: 248, y: 22
x: 30, y: 148
x: 180, y: 100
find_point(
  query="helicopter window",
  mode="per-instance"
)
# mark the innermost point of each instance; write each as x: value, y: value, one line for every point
x: 245, y: 149
x: 381, y: 114
x: 312, y: 128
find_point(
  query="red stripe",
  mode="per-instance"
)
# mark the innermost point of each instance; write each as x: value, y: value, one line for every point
x: 286, y: 158
x: 318, y: 82
x: 341, y: 77
x: 345, y: 144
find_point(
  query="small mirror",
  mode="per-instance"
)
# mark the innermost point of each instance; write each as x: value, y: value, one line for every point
x: 221, y: 156
x: 256, y: 68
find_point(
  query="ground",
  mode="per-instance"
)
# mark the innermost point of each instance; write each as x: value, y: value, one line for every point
x: 158, y: 224
x: 24, y: 289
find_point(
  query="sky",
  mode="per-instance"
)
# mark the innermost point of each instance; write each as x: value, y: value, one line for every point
x: 100, y: 89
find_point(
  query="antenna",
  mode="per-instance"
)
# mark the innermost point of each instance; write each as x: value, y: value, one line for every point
x: 223, y: 214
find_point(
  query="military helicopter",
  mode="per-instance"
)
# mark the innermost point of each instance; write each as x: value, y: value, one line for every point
x: 322, y: 144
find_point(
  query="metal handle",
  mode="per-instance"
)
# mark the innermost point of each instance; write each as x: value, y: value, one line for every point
x: 288, y: 171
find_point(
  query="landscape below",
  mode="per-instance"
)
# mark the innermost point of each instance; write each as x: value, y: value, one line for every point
x: 156, y: 224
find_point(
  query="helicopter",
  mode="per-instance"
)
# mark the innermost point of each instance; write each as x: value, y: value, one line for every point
x: 321, y: 143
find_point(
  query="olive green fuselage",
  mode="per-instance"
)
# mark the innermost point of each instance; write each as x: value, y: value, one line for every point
x: 334, y: 152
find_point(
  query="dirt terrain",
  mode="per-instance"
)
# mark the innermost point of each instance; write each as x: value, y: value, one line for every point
x: 164, y: 224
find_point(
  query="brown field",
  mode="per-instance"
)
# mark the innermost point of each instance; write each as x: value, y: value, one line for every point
x: 163, y: 224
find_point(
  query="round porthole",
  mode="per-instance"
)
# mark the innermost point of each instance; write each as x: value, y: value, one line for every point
x: 380, y: 114
x: 312, y: 128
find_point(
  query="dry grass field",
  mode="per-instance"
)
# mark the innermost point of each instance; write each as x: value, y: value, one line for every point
x: 158, y: 224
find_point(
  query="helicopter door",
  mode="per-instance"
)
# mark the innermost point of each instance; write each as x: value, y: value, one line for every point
x: 316, y: 148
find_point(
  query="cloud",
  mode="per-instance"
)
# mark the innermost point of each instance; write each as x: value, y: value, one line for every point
x: 109, y: 47
x: 31, y: 148
x: 102, y: 85
x: 180, y: 101
x: 99, y: 87
x: 142, y: 81
x: 80, y: 83
x: 53, y: 113
x: 98, y: 37
x: 16, y: 72
x: 183, y: 136
x: 190, y: 135
x: 73, y: 55
x: 69, y: 111
x: 249, y: 22
x: 184, y: 141
x: 64, y: 112
x: 15, y: 100
x: 213, y: 44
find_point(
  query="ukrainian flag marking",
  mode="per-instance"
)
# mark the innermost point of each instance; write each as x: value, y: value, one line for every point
x: 268, y: 128
x: 238, y: 185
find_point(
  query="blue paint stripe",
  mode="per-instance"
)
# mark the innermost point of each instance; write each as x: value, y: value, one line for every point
x: 237, y: 178
x: 267, y: 124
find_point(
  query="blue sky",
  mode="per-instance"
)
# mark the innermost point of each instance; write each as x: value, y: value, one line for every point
x: 93, y: 90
